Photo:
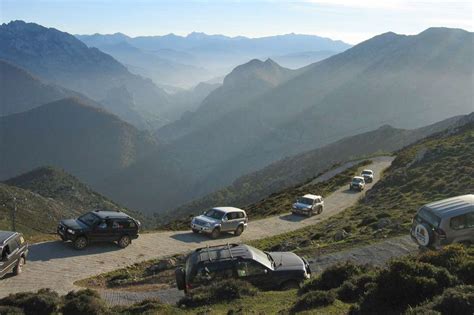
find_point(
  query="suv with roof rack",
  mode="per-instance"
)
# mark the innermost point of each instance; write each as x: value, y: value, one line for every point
x: 99, y: 226
x: 445, y: 222
x: 308, y: 205
x: 265, y: 270
x: 220, y: 219
x: 13, y: 250
x: 357, y: 183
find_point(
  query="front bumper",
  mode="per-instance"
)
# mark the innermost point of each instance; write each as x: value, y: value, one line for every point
x: 301, y: 211
x: 201, y: 228
x: 63, y: 234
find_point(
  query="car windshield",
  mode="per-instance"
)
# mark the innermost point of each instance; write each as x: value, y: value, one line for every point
x: 366, y: 173
x: 261, y: 257
x: 428, y: 216
x: 357, y: 180
x: 305, y: 201
x: 215, y: 214
x: 89, y: 218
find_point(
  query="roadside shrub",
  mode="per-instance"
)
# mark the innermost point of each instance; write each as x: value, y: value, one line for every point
x: 314, y: 299
x: 405, y: 282
x: 43, y: 302
x: 458, y: 300
x: 352, y: 290
x: 226, y: 290
x: 332, y: 277
x: 465, y: 272
x: 450, y: 257
x: 145, y: 307
x: 11, y: 310
x: 83, y: 302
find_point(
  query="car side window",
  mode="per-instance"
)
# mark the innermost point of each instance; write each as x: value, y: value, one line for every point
x: 5, y: 252
x: 459, y: 222
x: 116, y: 224
x: 214, y: 271
x: 249, y: 268
x: 240, y: 215
x: 13, y: 246
x: 470, y: 219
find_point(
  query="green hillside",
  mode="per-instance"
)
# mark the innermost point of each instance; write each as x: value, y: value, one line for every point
x: 438, y: 167
x: 43, y: 197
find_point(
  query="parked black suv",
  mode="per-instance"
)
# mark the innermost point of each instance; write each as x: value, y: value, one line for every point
x: 14, y: 250
x: 265, y: 270
x: 99, y: 226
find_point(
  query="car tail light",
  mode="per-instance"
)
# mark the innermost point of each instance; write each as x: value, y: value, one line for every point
x: 441, y: 234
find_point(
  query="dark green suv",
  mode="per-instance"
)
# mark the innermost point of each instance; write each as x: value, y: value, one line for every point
x: 99, y: 226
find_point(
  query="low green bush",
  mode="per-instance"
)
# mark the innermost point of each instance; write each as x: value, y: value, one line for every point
x: 83, y: 302
x: 10, y: 310
x: 333, y: 277
x: 405, y: 282
x: 458, y: 300
x: 226, y: 290
x: 353, y: 289
x: 144, y: 307
x: 314, y: 299
x: 43, y: 302
x: 450, y: 257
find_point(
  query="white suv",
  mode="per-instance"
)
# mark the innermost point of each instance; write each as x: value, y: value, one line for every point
x: 308, y: 205
x: 220, y: 219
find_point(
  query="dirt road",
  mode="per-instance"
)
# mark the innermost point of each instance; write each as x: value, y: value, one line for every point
x: 57, y: 266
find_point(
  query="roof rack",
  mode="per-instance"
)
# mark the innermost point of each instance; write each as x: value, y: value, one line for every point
x: 227, y: 246
x: 214, y: 246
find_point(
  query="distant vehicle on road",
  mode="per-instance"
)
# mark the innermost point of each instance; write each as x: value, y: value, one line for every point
x: 221, y: 219
x: 14, y: 250
x: 99, y: 226
x: 445, y: 222
x: 265, y: 270
x: 368, y: 175
x: 357, y: 183
x: 308, y: 205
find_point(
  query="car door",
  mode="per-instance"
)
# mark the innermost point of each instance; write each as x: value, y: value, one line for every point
x: 255, y: 273
x: 462, y: 228
x: 4, y: 261
x: 101, y: 231
x: 10, y: 256
x: 234, y: 221
x: 226, y: 224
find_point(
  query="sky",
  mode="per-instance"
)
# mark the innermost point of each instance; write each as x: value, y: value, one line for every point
x: 349, y: 20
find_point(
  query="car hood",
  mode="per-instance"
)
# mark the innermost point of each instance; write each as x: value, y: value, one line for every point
x: 301, y: 206
x: 74, y: 224
x: 285, y: 261
x: 206, y: 219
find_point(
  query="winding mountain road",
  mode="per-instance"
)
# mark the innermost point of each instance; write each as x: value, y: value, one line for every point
x: 57, y: 265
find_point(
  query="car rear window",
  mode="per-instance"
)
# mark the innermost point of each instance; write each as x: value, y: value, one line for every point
x: 427, y: 216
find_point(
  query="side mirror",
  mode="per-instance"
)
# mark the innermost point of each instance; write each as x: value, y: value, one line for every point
x: 225, y: 219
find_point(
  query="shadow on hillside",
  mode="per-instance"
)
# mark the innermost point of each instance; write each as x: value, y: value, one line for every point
x: 200, y: 238
x: 58, y: 249
x: 293, y: 217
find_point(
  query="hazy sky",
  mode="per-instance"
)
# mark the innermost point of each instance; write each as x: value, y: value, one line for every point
x: 348, y: 20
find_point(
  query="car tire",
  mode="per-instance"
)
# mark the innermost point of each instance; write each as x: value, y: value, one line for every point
x: 215, y: 233
x: 195, y: 231
x: 80, y: 242
x: 19, y: 266
x: 320, y: 210
x: 180, y: 276
x: 239, y: 230
x: 289, y: 285
x: 124, y: 241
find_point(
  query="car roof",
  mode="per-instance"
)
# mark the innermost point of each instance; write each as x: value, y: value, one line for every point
x: 222, y: 252
x: 5, y: 235
x: 358, y: 177
x: 228, y: 209
x: 452, y: 206
x: 311, y: 196
x: 367, y: 171
x: 105, y: 214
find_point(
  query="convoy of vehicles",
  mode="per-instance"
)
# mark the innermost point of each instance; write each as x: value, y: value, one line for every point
x: 265, y: 270
x: 14, y: 250
x: 308, y: 205
x: 445, y: 222
x: 99, y: 226
x: 357, y: 183
x: 221, y: 219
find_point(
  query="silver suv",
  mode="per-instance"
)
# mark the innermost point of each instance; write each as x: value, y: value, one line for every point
x: 308, y: 205
x: 221, y: 219
x: 445, y: 222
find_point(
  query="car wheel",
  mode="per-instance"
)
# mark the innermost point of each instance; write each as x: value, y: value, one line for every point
x: 195, y: 231
x: 215, y: 233
x: 239, y: 230
x: 19, y: 267
x: 80, y: 242
x: 289, y: 285
x: 124, y: 241
x: 320, y: 210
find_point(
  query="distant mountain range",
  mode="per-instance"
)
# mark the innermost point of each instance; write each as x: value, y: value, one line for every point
x: 200, y: 57
x: 71, y: 134
x: 406, y: 81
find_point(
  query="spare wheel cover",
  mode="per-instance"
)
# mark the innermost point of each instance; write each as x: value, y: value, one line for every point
x: 422, y: 235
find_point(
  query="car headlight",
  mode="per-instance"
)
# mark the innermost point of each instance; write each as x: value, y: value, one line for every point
x: 71, y: 231
x: 294, y: 206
